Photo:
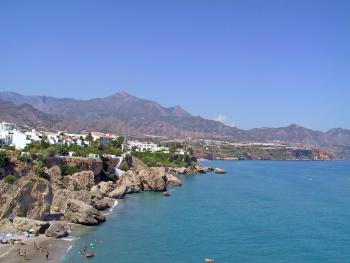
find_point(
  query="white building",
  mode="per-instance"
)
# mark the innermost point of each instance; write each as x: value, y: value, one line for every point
x: 33, y: 136
x: 9, y: 135
x: 144, y: 147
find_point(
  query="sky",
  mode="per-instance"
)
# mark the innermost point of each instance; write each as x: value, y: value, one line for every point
x: 246, y: 63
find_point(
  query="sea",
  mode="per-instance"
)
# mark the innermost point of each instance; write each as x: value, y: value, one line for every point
x: 259, y: 211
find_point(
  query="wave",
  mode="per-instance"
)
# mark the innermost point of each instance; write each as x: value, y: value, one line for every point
x: 111, y: 209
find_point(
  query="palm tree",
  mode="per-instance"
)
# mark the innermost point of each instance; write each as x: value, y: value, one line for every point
x: 89, y: 138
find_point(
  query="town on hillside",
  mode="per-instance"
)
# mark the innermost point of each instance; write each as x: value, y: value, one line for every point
x: 152, y: 150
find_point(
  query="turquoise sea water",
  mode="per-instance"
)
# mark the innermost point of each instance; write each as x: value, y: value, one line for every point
x: 260, y: 211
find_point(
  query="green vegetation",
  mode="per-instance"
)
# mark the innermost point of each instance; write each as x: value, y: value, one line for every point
x: 39, y: 168
x: 126, y: 163
x: 9, y: 179
x: 68, y: 170
x: 158, y: 159
x: 117, y: 143
x: 4, y: 159
x: 44, y: 150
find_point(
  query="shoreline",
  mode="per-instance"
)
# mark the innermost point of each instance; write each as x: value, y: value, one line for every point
x: 58, y: 248
x: 55, y: 247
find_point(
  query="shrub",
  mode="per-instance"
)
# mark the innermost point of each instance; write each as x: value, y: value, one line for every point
x: 4, y: 159
x: 25, y: 158
x: 68, y: 170
x: 39, y: 168
x: 9, y: 179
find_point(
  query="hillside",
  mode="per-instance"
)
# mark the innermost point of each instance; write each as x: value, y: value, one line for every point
x: 26, y: 116
x: 125, y: 114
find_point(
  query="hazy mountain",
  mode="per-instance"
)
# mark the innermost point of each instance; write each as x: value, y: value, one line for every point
x: 125, y: 114
x: 292, y: 133
x: 340, y: 136
x: 43, y: 103
x: 26, y: 116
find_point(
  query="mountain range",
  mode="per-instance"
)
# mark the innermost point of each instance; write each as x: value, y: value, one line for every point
x: 125, y: 114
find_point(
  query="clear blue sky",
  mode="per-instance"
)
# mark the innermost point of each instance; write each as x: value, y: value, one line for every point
x: 252, y: 63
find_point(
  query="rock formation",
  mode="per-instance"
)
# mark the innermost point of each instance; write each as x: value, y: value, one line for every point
x: 24, y: 224
x: 28, y: 197
x: 56, y: 230
x: 79, y: 212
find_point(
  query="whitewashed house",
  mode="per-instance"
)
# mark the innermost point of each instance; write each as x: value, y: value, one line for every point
x: 9, y: 135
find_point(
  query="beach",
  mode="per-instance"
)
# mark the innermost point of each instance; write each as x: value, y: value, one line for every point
x: 57, y: 248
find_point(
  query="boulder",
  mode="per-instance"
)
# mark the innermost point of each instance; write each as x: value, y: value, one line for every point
x: 93, y: 198
x: 191, y: 170
x: 82, y: 213
x: 24, y: 224
x: 30, y: 197
x: 105, y: 187
x: 119, y: 192
x: 131, y: 181
x: 173, y: 180
x: 219, y: 171
x: 80, y: 181
x: 207, y: 169
x: 56, y: 230
x: 103, y: 204
x: 153, y: 179
x: 180, y: 170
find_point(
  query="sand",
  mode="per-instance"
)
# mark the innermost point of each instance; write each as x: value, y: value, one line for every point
x: 57, y: 249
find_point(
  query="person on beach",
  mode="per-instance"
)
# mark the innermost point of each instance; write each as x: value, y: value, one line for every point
x: 35, y: 245
x: 47, y: 255
x: 25, y: 254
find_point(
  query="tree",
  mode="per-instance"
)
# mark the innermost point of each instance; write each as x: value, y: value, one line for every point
x: 118, y: 142
x: 89, y: 138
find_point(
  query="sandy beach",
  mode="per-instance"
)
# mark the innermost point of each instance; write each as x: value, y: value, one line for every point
x: 56, y: 248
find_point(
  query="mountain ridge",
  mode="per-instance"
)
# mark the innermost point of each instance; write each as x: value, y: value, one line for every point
x: 126, y: 114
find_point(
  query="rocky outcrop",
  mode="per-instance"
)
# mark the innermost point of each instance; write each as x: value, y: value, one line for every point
x: 55, y: 177
x: 153, y: 179
x: 79, y: 181
x: 119, y: 192
x: 104, y: 187
x: 93, y: 198
x: 28, y: 197
x: 24, y: 224
x: 56, y: 230
x: 131, y: 181
x: 219, y: 171
x: 84, y: 164
x: 82, y: 213
x: 177, y: 170
x: 138, y: 165
x: 173, y: 180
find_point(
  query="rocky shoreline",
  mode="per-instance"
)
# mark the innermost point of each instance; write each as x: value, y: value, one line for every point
x: 47, y: 207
